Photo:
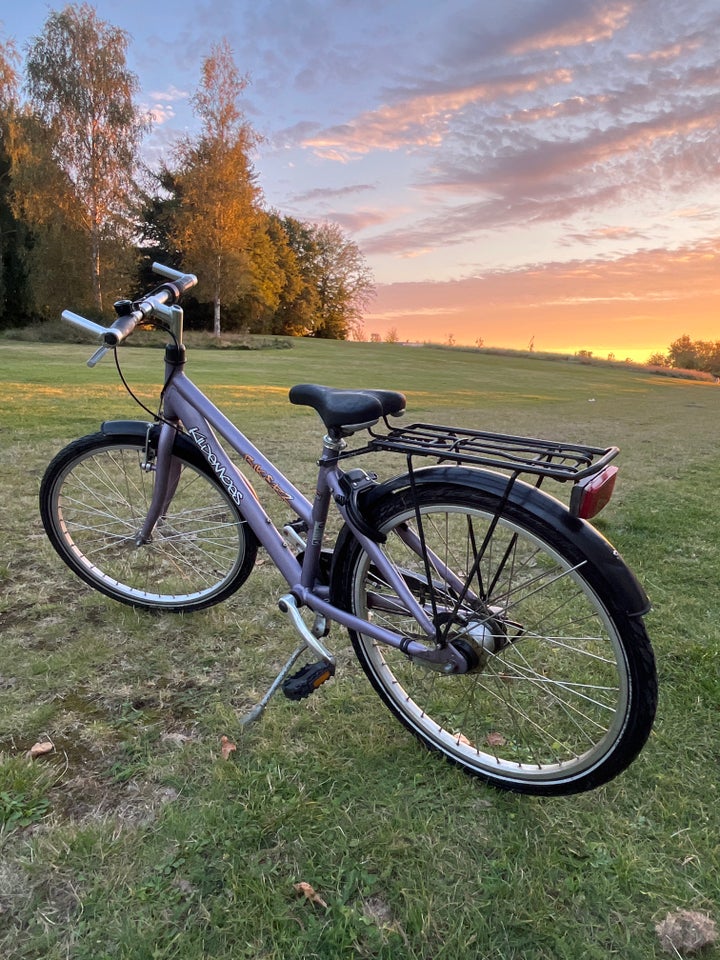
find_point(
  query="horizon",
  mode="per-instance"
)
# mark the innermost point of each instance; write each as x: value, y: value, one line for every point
x: 540, y: 173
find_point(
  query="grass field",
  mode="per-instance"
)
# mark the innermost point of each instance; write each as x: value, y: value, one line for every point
x: 134, y: 839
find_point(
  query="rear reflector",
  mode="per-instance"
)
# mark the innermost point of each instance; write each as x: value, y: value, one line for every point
x: 590, y: 496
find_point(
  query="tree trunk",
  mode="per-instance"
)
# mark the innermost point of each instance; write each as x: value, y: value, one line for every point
x: 216, y: 314
x: 95, y: 254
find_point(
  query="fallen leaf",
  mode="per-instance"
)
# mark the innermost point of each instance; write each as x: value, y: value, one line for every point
x: 306, y: 890
x: 226, y: 747
x: 495, y: 740
x: 40, y: 748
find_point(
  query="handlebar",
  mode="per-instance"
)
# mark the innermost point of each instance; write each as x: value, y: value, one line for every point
x: 183, y: 281
x: 155, y: 303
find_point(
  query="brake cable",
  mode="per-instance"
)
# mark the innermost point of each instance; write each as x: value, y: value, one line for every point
x: 157, y: 417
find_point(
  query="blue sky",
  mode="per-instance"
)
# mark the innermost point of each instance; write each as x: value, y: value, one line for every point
x: 539, y: 169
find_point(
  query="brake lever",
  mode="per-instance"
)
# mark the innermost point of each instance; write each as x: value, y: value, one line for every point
x: 97, y: 356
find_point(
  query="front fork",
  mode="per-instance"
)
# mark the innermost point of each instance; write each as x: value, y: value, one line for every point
x: 167, y: 470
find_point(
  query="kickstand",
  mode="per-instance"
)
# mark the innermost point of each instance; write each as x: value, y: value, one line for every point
x: 257, y: 711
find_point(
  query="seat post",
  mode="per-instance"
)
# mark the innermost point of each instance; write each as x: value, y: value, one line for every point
x: 320, y: 510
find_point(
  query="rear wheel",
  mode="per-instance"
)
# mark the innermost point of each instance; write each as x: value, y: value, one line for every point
x: 561, y: 688
x: 94, y: 497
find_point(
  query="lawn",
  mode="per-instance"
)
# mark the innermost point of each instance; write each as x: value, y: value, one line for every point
x: 135, y: 839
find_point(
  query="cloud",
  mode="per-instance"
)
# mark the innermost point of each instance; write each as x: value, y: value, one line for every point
x: 603, y: 234
x: 537, y: 179
x: 699, y: 213
x: 160, y: 113
x: 362, y: 219
x: 170, y: 95
x: 420, y: 120
x: 673, y: 51
x: 532, y: 135
x: 576, y: 106
x: 646, y: 298
x: 161, y: 109
x: 600, y: 23
x: 332, y: 193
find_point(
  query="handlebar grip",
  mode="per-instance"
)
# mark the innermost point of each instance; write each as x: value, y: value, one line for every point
x: 181, y: 281
x: 121, y: 328
x: 170, y: 292
x: 88, y: 325
x: 111, y: 336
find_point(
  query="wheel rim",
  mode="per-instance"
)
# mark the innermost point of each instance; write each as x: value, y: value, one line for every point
x: 100, y: 504
x: 549, y: 705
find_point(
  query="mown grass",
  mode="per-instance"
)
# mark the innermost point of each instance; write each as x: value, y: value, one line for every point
x: 135, y: 839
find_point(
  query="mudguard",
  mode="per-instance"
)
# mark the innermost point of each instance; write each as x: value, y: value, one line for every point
x: 609, y: 569
x: 139, y: 428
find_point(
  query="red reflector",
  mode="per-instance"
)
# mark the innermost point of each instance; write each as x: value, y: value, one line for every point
x: 590, y: 496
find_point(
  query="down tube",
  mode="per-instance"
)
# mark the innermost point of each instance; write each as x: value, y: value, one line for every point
x: 190, y: 407
x: 199, y: 403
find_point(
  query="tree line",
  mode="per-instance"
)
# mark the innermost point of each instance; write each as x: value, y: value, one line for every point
x: 82, y: 216
x: 687, y: 354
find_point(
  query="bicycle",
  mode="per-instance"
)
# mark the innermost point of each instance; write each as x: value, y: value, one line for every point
x: 495, y: 622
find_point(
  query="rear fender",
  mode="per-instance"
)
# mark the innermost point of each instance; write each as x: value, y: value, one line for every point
x: 610, y: 572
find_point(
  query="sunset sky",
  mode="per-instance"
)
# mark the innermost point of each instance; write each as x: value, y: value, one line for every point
x: 536, y: 171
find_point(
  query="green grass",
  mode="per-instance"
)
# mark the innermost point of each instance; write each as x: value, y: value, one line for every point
x: 135, y: 840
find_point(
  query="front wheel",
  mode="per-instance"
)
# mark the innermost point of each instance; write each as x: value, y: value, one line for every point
x: 561, y: 688
x: 93, y: 499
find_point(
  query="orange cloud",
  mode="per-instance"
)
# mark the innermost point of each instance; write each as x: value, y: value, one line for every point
x: 573, y: 106
x: 671, y: 52
x: 640, y: 302
x: 600, y: 25
x: 421, y: 120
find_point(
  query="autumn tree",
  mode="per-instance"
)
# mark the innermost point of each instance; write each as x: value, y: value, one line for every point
x: 270, y: 268
x: 82, y: 93
x: 299, y: 304
x: 687, y: 354
x: 344, y: 282
x: 8, y: 74
x: 683, y: 353
x: 13, y: 235
x: 217, y: 191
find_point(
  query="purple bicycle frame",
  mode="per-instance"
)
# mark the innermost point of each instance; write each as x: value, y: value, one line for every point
x: 202, y: 421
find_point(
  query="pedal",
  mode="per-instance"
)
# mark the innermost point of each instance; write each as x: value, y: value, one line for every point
x: 307, y: 680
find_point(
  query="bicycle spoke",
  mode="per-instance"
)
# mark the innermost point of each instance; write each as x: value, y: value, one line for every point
x: 546, y: 684
x: 194, y: 550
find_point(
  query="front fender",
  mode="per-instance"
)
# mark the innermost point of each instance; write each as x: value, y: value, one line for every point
x: 610, y: 572
x: 139, y: 428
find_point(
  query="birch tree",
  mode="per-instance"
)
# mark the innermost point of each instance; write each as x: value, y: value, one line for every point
x: 217, y: 191
x: 82, y: 93
x: 344, y: 282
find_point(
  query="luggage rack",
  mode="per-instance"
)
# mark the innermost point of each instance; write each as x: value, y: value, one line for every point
x: 544, y: 458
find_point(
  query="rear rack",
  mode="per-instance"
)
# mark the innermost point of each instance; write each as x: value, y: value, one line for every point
x: 545, y: 458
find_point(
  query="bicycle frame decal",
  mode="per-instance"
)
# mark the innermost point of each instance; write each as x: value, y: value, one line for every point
x: 216, y: 464
x: 268, y: 478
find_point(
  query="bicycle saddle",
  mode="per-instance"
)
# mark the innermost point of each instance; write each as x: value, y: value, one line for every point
x: 348, y: 410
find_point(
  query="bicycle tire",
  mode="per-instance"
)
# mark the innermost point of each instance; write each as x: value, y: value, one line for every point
x: 93, y: 498
x: 562, y: 690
